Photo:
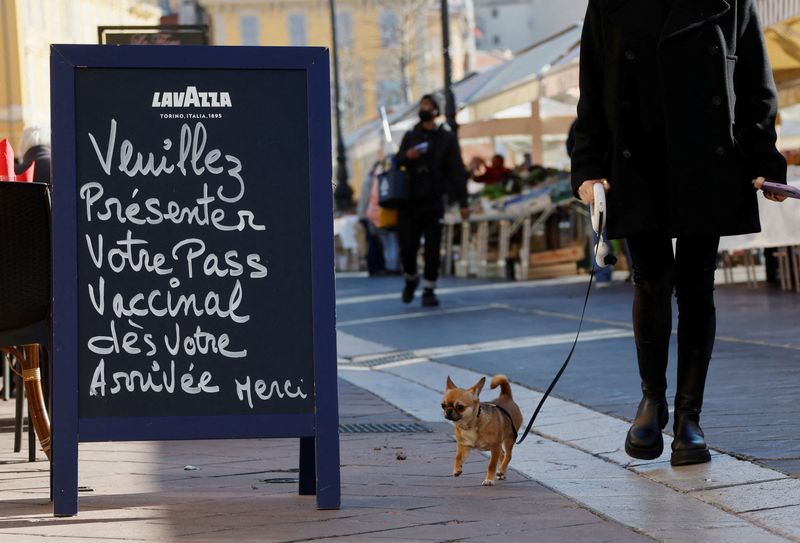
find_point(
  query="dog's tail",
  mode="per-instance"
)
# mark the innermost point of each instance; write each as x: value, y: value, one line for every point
x: 502, y: 382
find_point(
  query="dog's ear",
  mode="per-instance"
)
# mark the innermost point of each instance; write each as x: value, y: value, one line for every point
x: 476, y: 389
x: 450, y: 384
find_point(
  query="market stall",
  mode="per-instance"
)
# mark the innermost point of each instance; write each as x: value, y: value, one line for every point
x: 540, y: 231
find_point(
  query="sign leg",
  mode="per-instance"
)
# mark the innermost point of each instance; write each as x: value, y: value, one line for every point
x: 328, y: 476
x: 65, y: 476
x: 308, y: 467
x: 64, y: 439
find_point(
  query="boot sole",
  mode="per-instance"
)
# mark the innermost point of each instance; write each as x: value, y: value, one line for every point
x: 643, y: 454
x: 689, y: 457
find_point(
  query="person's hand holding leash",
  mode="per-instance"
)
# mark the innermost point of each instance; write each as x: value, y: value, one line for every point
x: 586, y: 190
x: 759, y: 182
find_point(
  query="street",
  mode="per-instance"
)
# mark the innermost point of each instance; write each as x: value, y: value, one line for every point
x: 524, y: 330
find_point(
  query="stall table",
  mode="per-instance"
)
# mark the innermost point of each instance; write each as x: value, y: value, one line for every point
x: 507, y: 225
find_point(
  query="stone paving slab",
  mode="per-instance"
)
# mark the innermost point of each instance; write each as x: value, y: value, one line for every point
x: 142, y: 492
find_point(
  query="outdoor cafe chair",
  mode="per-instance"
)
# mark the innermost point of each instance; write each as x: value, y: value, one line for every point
x: 26, y: 294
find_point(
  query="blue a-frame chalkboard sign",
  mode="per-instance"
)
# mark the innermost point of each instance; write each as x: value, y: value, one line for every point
x: 193, y: 252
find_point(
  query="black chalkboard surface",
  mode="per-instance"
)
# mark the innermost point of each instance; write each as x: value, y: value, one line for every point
x: 193, y: 221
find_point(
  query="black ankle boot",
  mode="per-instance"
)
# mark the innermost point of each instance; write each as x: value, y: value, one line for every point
x: 429, y: 298
x: 644, y: 440
x: 409, y: 289
x: 689, y: 445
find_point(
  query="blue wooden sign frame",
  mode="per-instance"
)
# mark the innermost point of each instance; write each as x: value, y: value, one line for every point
x: 318, y: 431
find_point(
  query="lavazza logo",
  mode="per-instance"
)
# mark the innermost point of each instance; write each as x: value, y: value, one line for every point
x: 191, y: 98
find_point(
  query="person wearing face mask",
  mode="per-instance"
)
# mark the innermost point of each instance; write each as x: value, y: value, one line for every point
x: 432, y: 158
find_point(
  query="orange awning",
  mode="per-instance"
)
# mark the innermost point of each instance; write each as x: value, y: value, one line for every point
x: 783, y: 47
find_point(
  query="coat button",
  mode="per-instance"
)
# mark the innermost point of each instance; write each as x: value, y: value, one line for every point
x: 626, y: 104
x: 717, y: 101
x: 713, y: 50
x: 626, y: 153
x: 629, y: 54
x: 720, y: 150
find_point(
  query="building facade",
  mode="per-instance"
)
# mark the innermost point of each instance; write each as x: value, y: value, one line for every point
x: 513, y: 25
x: 28, y: 27
x: 390, y: 51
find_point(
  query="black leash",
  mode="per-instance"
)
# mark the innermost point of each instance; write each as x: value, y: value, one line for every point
x: 564, y: 365
x: 609, y: 260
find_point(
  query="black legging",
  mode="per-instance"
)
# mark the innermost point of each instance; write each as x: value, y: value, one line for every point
x: 656, y: 272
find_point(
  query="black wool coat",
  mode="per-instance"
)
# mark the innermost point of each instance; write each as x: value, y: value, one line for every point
x: 677, y: 111
x: 439, y: 172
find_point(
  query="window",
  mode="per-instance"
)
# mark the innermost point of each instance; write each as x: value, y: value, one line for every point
x: 249, y: 31
x: 388, y: 25
x: 495, y: 13
x: 344, y: 30
x: 496, y: 40
x: 298, y: 34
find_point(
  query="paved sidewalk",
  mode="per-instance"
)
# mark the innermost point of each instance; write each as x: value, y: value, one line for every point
x: 247, y: 491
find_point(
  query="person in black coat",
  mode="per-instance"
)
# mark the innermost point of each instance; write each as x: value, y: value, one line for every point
x: 677, y: 120
x: 432, y: 158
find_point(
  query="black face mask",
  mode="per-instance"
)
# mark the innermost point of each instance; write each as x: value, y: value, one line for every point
x: 426, y: 115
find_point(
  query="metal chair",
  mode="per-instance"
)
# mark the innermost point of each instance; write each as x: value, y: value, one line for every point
x: 26, y: 295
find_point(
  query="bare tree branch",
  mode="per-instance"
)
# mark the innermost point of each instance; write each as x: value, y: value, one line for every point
x: 406, y: 29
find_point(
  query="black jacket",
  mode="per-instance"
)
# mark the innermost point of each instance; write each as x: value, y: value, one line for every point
x: 437, y: 173
x: 677, y: 111
x: 41, y: 155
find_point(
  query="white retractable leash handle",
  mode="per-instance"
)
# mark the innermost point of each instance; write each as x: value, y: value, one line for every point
x: 602, y: 252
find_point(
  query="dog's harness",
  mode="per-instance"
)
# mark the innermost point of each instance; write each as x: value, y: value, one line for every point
x: 506, y: 413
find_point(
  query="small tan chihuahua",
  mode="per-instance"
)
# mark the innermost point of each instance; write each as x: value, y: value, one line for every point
x: 484, y: 426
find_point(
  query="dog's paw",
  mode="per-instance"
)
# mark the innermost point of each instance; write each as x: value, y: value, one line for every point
x: 487, y: 482
x: 501, y: 476
x: 457, y: 473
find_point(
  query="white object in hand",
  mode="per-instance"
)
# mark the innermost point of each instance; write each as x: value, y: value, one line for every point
x: 599, y: 217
